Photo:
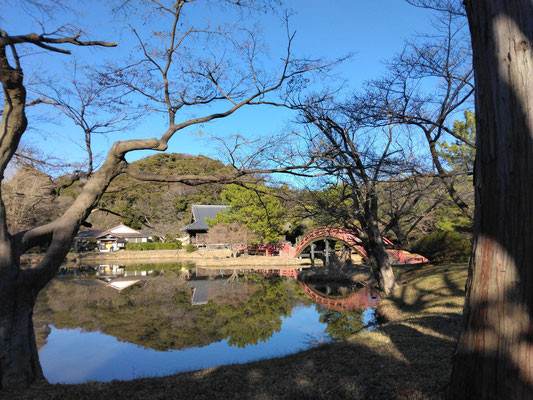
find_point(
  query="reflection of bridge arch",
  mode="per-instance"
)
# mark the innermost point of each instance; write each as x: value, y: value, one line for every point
x: 343, y: 235
x: 363, y: 298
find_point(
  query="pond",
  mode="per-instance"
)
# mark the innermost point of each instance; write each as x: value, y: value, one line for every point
x: 99, y: 323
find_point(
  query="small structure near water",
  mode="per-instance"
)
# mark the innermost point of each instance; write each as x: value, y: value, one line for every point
x: 198, y: 229
x: 116, y: 238
x: 112, y: 239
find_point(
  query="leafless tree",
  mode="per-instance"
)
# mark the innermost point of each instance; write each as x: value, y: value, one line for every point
x: 173, y: 77
x: 233, y: 234
x: 94, y: 107
x: 427, y: 85
x: 356, y: 159
x: 406, y: 203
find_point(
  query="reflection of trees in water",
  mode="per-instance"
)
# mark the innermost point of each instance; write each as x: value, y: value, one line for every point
x: 158, y: 314
x: 258, y: 319
x: 135, y: 315
x: 341, y: 325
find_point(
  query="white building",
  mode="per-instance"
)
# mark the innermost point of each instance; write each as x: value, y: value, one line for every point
x: 116, y: 238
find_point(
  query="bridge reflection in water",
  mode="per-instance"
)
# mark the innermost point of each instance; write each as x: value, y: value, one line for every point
x: 332, y: 297
x: 340, y: 298
x: 362, y: 298
x: 352, y: 299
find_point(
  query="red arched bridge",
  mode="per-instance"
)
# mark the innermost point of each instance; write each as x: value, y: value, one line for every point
x: 325, y: 242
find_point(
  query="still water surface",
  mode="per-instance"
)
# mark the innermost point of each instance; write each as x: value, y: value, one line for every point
x: 88, y: 331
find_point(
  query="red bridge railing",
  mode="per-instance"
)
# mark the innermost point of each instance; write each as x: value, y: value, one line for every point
x: 345, y: 235
x: 326, y: 232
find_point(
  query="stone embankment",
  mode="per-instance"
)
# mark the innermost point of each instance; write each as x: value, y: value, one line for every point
x: 200, y: 258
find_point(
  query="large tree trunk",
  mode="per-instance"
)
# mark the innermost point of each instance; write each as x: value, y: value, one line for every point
x: 19, y: 360
x: 494, y: 358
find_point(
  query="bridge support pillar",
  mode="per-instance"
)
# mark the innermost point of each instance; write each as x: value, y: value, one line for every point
x: 326, y: 243
x: 313, y: 246
x: 346, y: 255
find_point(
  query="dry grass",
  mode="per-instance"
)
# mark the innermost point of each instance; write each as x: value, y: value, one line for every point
x: 407, y: 358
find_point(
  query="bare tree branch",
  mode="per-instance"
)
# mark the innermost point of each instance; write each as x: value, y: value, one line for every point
x: 42, y: 40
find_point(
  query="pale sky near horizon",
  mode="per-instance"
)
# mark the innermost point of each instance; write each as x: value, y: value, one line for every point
x: 372, y: 30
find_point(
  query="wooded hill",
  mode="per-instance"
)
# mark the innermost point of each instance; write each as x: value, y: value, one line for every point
x: 164, y: 207
x: 410, y: 209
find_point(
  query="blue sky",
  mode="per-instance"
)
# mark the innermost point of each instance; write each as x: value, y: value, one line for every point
x: 372, y: 30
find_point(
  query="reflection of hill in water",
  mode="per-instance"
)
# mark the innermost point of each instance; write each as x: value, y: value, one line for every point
x: 158, y: 313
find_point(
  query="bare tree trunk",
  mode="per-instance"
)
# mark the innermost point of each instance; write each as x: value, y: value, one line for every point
x: 19, y: 359
x: 383, y: 269
x: 376, y: 248
x: 494, y: 358
x: 401, y: 237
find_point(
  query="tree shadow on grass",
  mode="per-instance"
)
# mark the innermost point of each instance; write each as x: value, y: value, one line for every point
x: 338, y: 371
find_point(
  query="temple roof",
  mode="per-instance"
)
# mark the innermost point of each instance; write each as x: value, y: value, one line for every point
x: 199, y: 215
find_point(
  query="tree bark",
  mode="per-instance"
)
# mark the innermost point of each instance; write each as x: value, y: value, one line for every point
x: 376, y: 248
x: 383, y: 272
x: 494, y: 357
x: 19, y: 359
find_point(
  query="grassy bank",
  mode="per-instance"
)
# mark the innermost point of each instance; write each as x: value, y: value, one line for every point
x: 407, y: 358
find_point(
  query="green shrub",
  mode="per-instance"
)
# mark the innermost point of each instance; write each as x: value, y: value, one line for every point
x: 168, y: 246
x: 444, y: 247
x: 153, y: 246
x: 148, y: 245
x: 190, y: 248
x: 140, y: 246
x: 132, y: 246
